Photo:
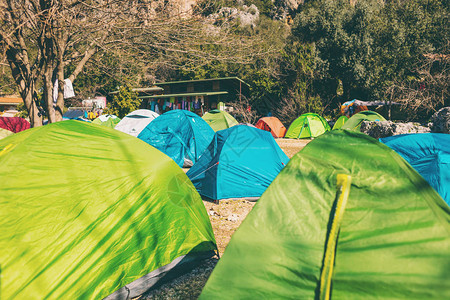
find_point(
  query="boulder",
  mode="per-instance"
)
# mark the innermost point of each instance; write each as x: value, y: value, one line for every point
x: 383, y: 129
x: 441, y: 120
x: 244, y: 15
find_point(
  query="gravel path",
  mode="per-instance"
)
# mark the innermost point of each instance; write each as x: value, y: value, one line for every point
x: 188, y: 286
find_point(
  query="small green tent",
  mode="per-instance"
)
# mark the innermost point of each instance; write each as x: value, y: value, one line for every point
x: 219, y: 120
x: 354, y: 123
x: 309, y: 125
x: 107, y: 120
x: 347, y: 218
x: 339, y: 122
x: 88, y: 212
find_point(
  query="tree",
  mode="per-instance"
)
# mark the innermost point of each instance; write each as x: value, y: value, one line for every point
x: 368, y: 46
x: 124, y: 102
x: 341, y: 35
x: 45, y: 40
x: 41, y: 38
x: 426, y: 93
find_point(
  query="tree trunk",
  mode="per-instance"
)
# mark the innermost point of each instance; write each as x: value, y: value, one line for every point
x: 48, y: 95
x: 26, y: 85
x: 60, y: 75
x: 30, y: 104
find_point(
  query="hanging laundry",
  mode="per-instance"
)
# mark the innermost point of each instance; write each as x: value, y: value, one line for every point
x: 55, y: 92
x: 68, y: 89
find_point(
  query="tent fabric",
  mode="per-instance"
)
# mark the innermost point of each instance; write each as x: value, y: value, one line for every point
x: 352, y: 107
x: 4, y: 133
x: 309, y: 125
x: 429, y: 155
x: 86, y: 210
x: 239, y: 162
x: 75, y: 113
x: 45, y: 122
x: 14, y: 124
x: 248, y: 124
x: 180, y: 134
x: 219, y: 120
x: 136, y: 121
x: 273, y: 125
x: 354, y: 123
x: 107, y: 120
x: 393, y: 241
x: 340, y: 122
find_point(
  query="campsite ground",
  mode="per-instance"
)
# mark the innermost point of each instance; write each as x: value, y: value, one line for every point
x: 225, y: 216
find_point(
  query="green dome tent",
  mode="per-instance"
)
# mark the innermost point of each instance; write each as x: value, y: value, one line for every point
x: 340, y: 122
x: 4, y: 133
x: 219, y: 120
x: 347, y: 217
x: 107, y: 120
x: 309, y: 125
x: 88, y: 212
x: 354, y: 123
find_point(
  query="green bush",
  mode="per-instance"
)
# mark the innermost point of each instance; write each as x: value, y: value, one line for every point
x: 124, y: 102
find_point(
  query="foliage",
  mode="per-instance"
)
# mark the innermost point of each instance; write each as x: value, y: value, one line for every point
x: 371, y: 45
x: 426, y: 93
x: 124, y: 102
x: 343, y: 41
x: 298, y: 69
x: 260, y: 69
x: 22, y: 111
x: 265, y: 7
x: 336, y: 50
x: 7, y: 84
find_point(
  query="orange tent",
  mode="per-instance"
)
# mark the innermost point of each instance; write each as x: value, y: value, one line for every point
x: 273, y: 125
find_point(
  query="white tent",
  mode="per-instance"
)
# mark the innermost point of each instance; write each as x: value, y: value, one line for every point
x: 136, y: 121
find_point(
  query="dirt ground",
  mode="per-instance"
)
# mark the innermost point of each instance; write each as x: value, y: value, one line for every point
x: 225, y: 216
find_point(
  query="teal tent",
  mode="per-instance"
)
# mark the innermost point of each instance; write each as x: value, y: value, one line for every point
x: 88, y: 212
x: 347, y: 218
x: 180, y: 134
x: 241, y: 161
x: 429, y: 155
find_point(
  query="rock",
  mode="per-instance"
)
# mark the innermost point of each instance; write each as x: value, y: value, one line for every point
x: 233, y: 218
x: 244, y: 16
x: 441, y: 120
x: 291, y: 4
x: 213, y: 213
x: 388, y: 128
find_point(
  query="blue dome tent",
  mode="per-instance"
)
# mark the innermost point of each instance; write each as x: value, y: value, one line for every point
x: 241, y: 161
x: 429, y: 155
x: 180, y: 134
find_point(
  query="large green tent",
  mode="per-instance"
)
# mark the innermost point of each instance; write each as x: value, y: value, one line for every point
x: 347, y: 218
x: 88, y: 212
x: 354, y: 123
x: 309, y: 125
x: 219, y: 120
x: 340, y: 122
